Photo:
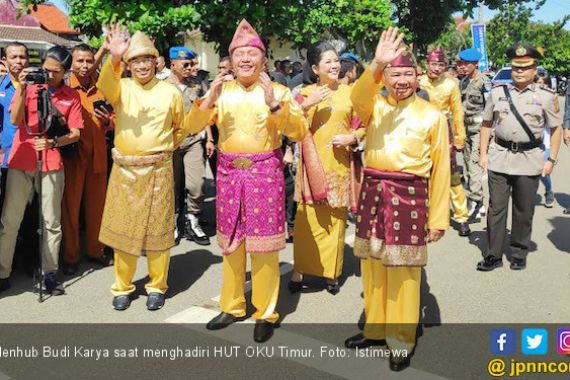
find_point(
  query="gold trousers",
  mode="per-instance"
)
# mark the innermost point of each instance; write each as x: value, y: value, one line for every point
x: 391, y: 303
x: 265, y: 277
x: 126, y: 264
x: 459, y: 204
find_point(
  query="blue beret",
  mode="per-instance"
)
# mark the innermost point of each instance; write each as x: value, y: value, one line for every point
x: 181, y: 52
x: 349, y: 56
x: 470, y: 55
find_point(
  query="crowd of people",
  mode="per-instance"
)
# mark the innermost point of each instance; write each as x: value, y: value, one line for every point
x: 119, y: 146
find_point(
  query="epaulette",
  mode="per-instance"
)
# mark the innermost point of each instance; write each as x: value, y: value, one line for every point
x: 546, y: 88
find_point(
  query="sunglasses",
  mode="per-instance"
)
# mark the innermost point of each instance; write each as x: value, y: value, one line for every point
x: 189, y: 64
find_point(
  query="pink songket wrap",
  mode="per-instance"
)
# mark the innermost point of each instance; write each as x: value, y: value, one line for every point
x: 250, y: 202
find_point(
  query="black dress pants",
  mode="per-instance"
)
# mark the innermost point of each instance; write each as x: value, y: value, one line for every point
x: 523, y: 190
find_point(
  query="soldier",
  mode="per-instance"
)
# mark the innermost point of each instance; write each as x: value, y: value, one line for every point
x: 515, y: 158
x: 475, y: 87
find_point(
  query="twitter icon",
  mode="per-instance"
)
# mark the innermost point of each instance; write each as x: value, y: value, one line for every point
x: 534, y: 341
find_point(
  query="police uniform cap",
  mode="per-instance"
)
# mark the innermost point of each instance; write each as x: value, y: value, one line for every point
x: 181, y: 52
x: 349, y: 57
x: 522, y: 55
x: 470, y: 55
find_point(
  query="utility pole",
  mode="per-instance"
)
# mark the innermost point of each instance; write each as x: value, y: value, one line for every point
x: 481, y: 16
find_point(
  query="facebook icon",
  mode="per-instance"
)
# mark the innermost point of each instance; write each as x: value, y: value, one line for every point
x: 503, y: 342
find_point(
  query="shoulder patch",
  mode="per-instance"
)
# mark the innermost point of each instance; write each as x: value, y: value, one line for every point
x: 546, y: 88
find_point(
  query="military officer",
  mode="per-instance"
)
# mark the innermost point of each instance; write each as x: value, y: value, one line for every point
x: 475, y: 87
x: 515, y: 157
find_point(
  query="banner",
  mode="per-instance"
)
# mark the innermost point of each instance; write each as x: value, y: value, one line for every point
x: 480, y: 43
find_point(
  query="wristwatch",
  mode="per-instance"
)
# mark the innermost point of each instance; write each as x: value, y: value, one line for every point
x: 54, y: 143
x: 554, y: 162
x: 275, y: 108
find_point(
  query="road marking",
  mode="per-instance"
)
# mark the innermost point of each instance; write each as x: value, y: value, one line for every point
x: 347, y: 367
x: 197, y: 316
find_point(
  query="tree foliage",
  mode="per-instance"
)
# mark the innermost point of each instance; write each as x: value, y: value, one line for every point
x: 356, y: 22
x: 453, y: 40
x: 514, y: 24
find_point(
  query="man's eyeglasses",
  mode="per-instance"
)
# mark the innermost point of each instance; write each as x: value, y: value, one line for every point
x: 142, y: 61
x: 189, y: 64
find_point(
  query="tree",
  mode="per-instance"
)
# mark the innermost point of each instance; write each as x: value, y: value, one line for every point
x: 453, y: 40
x: 427, y: 20
x: 158, y: 19
x: 357, y: 23
x: 514, y: 24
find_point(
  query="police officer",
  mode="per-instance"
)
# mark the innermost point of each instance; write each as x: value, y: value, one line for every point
x: 515, y: 157
x: 188, y: 160
x: 475, y: 87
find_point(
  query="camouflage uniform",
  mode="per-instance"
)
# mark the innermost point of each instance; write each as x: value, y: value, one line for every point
x: 474, y: 92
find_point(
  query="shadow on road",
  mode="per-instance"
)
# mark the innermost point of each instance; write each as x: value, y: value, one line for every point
x: 429, y: 308
x: 559, y: 234
x: 185, y: 270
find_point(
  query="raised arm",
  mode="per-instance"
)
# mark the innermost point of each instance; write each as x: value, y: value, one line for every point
x: 368, y: 85
x: 118, y: 43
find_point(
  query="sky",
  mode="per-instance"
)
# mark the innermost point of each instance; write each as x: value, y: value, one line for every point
x: 552, y: 10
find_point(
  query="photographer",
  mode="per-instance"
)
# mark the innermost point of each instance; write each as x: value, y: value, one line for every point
x: 23, y: 176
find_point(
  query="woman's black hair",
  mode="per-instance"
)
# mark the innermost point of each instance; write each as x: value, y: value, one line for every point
x: 314, y: 55
x: 61, y: 54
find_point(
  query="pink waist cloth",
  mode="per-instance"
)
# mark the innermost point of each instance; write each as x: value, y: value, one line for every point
x: 250, y: 202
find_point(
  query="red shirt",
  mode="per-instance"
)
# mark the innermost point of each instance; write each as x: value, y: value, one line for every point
x: 23, y: 155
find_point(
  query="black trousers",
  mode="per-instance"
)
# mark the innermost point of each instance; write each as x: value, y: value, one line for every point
x: 523, y: 192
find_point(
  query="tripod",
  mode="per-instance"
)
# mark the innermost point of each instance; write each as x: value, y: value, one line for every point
x: 43, y: 120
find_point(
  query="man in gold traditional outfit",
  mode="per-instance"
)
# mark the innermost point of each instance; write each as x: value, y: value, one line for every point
x: 139, y: 208
x: 407, y: 146
x: 252, y: 114
x: 445, y: 94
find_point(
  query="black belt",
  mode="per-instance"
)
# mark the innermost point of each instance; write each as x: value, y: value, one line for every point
x: 517, y: 147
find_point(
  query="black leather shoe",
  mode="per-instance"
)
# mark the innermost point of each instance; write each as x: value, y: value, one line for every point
x: 464, y: 229
x: 295, y: 286
x: 399, y: 363
x: 360, y: 341
x: 121, y: 303
x: 361, y: 321
x: 69, y: 269
x: 223, y: 320
x: 263, y: 331
x: 518, y: 264
x: 333, y: 288
x: 4, y: 284
x: 155, y: 301
x: 489, y: 263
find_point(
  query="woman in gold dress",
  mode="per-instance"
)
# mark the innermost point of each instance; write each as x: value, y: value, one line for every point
x: 323, y: 178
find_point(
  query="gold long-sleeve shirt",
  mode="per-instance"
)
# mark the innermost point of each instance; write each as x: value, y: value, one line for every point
x: 245, y: 123
x: 445, y: 94
x: 409, y: 136
x: 150, y: 117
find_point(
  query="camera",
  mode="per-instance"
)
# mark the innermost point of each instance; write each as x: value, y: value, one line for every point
x: 37, y: 75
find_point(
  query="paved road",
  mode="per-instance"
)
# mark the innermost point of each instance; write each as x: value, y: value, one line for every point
x: 452, y: 290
